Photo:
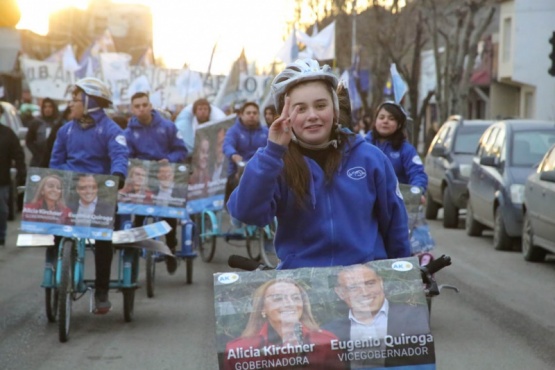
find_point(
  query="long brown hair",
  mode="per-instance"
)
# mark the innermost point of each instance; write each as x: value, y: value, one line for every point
x: 256, y: 321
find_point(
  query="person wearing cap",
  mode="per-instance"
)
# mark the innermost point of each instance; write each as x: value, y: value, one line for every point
x: 92, y: 143
x: 335, y: 196
x: 389, y: 135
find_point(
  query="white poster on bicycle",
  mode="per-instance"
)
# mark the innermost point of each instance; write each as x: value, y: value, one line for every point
x: 370, y: 316
x: 154, y: 189
x: 67, y: 203
x: 209, y: 175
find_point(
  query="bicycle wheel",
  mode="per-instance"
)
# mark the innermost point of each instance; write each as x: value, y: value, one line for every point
x: 65, y: 290
x: 207, y: 242
x: 150, y: 273
x: 51, y: 300
x: 128, y: 303
x: 267, y: 249
x: 254, y: 241
x: 189, y: 270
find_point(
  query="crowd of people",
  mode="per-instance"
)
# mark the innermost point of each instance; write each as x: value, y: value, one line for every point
x: 332, y: 186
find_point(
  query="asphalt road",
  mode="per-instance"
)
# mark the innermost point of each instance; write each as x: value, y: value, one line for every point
x: 501, y: 319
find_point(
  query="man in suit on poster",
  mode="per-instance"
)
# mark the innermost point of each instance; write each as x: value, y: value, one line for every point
x: 372, y: 316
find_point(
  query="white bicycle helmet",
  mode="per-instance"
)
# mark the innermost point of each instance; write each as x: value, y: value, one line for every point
x: 94, y: 87
x: 299, y: 71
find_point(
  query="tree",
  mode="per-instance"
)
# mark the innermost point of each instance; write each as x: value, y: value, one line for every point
x: 456, y: 30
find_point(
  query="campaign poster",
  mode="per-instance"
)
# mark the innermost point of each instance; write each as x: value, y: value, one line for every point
x: 154, y: 188
x: 209, y: 174
x: 367, y: 316
x: 68, y: 203
x: 421, y: 239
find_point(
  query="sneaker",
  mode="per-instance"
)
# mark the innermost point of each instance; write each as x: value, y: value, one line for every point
x: 101, y: 303
x: 171, y: 264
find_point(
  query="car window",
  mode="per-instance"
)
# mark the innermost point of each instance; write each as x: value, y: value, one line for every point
x: 529, y: 147
x: 548, y: 163
x: 467, y: 139
x: 442, y: 134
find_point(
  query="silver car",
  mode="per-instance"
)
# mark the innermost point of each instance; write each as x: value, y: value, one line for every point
x: 538, y: 230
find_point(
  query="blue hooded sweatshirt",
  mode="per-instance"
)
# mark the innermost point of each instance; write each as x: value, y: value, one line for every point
x: 358, y: 217
x: 244, y: 141
x: 99, y: 148
x: 158, y: 140
x: 406, y: 162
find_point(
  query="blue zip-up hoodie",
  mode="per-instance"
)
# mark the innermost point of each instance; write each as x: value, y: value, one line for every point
x: 98, y: 149
x: 244, y: 141
x: 158, y: 140
x: 406, y: 162
x: 358, y: 217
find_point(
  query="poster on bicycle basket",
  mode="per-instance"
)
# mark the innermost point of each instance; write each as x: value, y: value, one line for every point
x: 68, y: 203
x: 209, y: 176
x: 367, y: 316
x: 154, y: 189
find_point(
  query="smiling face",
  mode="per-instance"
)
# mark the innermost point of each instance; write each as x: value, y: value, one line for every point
x: 283, y: 304
x: 87, y: 189
x: 362, y: 289
x: 52, y: 190
x: 138, y: 177
x: 315, y: 115
x: 204, y: 153
x: 165, y: 176
x: 386, y: 124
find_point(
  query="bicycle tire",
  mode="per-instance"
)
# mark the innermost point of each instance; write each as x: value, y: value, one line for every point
x: 150, y: 273
x: 65, y: 291
x: 207, y: 243
x: 267, y: 250
x: 51, y: 301
x: 128, y: 304
x: 189, y: 270
x: 254, y: 242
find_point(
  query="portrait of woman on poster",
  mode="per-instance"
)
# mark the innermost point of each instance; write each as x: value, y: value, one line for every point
x: 201, y: 160
x: 135, y: 189
x: 282, y: 317
x: 49, y: 196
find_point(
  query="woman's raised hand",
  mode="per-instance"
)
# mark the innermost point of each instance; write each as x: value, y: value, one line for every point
x: 280, y: 130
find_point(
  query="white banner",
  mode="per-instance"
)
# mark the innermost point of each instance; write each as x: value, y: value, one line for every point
x: 47, y: 80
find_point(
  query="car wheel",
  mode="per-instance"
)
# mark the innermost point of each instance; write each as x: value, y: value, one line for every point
x: 450, y: 212
x: 501, y: 241
x: 529, y: 251
x: 472, y: 227
x: 431, y: 208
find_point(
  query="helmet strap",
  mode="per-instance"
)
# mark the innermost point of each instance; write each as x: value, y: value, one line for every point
x: 302, y: 144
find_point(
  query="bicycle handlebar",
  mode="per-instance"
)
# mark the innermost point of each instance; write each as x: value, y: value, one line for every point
x: 436, y: 265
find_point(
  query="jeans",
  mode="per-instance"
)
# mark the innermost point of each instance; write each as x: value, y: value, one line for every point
x: 4, y: 210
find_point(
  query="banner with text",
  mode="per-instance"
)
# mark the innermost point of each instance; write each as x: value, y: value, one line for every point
x: 371, y: 316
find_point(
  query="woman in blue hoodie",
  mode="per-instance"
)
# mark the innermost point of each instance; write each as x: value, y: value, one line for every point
x: 336, y: 198
x: 388, y: 134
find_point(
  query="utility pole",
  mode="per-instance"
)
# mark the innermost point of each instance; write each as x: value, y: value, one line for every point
x: 354, y: 32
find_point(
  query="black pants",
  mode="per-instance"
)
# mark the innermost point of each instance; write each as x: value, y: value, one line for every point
x: 171, y: 236
x: 103, y: 254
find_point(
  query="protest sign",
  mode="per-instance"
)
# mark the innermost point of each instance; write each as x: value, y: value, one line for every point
x: 154, y: 189
x: 359, y: 317
x: 207, y: 182
x: 67, y: 203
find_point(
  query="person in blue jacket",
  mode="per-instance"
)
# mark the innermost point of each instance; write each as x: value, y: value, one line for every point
x: 389, y: 134
x: 335, y: 196
x: 242, y: 140
x: 92, y: 143
x: 152, y: 137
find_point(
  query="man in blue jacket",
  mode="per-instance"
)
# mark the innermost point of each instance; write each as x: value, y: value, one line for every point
x: 92, y: 143
x: 242, y: 140
x: 152, y: 137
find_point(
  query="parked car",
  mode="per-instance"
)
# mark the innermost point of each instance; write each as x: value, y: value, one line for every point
x: 507, y: 154
x: 448, y: 167
x: 538, y: 232
x: 10, y: 118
